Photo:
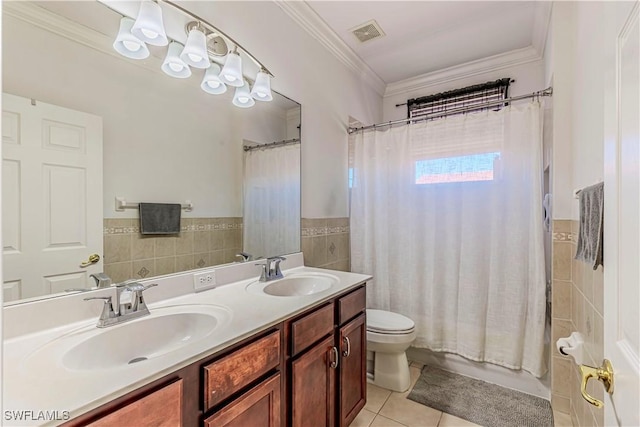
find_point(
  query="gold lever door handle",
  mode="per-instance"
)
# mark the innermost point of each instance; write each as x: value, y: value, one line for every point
x: 603, y: 374
x: 93, y: 258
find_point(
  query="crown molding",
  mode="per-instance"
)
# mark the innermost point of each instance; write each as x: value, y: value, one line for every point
x: 468, y: 69
x: 312, y: 23
x: 56, y: 24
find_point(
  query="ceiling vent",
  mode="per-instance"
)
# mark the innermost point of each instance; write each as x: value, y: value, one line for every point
x: 368, y: 31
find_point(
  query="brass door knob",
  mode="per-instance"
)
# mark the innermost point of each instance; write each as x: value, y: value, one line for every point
x: 603, y: 374
x: 93, y: 258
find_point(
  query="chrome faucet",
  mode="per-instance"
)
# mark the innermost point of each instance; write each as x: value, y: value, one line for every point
x: 244, y: 256
x: 271, y: 269
x: 129, y: 301
x: 102, y: 280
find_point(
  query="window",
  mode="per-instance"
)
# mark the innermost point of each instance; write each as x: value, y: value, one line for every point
x: 474, y: 167
x: 459, y: 98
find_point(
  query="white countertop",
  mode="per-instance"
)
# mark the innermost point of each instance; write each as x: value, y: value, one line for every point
x: 31, y: 384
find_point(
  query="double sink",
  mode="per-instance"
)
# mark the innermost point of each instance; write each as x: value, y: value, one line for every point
x: 166, y: 331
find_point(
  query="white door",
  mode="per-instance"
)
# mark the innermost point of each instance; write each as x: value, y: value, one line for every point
x: 51, y: 197
x: 622, y: 213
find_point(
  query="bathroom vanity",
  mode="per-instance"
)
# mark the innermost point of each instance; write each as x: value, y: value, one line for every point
x: 274, y: 359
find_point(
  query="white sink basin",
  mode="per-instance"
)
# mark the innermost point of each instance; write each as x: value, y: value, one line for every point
x: 295, y: 285
x: 164, y: 331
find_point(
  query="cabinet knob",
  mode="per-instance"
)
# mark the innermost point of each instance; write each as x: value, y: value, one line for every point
x: 333, y: 362
x: 347, y: 352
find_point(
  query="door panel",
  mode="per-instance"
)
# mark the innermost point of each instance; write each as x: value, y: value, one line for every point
x: 52, y: 197
x: 622, y: 213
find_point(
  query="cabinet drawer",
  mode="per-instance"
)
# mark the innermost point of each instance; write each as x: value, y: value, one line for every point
x: 160, y: 408
x: 352, y: 304
x: 259, y: 407
x: 228, y: 375
x: 311, y: 328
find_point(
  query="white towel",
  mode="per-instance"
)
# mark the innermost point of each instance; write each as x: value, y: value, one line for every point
x: 591, y: 225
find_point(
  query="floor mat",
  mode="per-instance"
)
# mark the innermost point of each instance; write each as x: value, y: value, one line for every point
x: 479, y: 402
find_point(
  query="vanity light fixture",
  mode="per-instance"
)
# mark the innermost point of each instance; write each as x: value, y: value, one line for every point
x: 261, y: 90
x: 195, y: 50
x: 211, y: 83
x: 173, y: 65
x: 149, y: 26
x: 127, y: 44
x: 203, y: 42
x: 242, y: 97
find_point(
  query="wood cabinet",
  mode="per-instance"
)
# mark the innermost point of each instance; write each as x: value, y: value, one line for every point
x: 309, y: 370
x: 353, y: 369
x: 161, y: 408
x: 327, y: 368
x: 258, y: 407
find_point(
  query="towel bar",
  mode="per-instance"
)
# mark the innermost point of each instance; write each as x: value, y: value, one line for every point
x: 122, y: 204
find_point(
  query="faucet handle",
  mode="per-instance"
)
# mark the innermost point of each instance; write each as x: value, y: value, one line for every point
x: 245, y: 256
x: 277, y: 272
x: 263, y: 276
x: 107, y: 300
x: 149, y: 286
x: 107, y: 311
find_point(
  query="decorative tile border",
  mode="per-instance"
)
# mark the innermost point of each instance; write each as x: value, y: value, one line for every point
x: 322, y: 231
x: 565, y: 237
x: 229, y: 224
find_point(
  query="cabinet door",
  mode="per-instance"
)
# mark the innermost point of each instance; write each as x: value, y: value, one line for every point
x: 353, y: 376
x: 160, y: 408
x: 259, y: 407
x: 313, y: 386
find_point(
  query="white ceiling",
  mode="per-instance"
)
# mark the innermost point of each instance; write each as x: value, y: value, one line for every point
x: 426, y: 36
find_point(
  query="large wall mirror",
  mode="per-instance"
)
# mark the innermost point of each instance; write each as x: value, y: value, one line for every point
x: 84, y: 127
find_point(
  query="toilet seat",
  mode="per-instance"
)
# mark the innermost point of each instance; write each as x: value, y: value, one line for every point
x: 388, y: 323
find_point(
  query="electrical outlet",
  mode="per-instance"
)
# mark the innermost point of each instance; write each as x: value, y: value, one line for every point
x: 204, y: 279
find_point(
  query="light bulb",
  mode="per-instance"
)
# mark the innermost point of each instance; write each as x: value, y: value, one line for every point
x: 131, y: 45
x: 261, y: 90
x: 195, y: 50
x: 149, y: 33
x: 176, y: 67
x: 173, y: 65
x: 194, y: 57
x: 126, y: 44
x: 242, y: 98
x: 149, y: 26
x: 231, y: 73
x: 211, y: 82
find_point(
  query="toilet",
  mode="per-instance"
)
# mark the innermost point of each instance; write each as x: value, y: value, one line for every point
x: 389, y: 335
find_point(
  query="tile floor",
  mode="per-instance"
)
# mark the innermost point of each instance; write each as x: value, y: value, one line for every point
x: 385, y: 408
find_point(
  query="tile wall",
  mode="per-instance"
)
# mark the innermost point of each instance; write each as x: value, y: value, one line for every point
x: 325, y: 243
x: 202, y: 242
x: 577, y: 305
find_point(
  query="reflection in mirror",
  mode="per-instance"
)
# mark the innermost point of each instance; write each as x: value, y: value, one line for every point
x: 83, y: 126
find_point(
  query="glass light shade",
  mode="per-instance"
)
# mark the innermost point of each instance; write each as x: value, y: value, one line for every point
x: 173, y: 65
x: 231, y: 73
x: 195, y: 50
x: 211, y: 82
x: 242, y: 98
x: 149, y: 26
x: 127, y: 44
x: 261, y: 90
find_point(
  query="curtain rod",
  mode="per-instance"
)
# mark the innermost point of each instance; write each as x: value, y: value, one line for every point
x: 272, y: 144
x: 546, y: 92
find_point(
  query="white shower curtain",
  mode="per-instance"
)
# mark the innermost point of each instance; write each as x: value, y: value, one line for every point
x: 272, y: 201
x: 447, y: 217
